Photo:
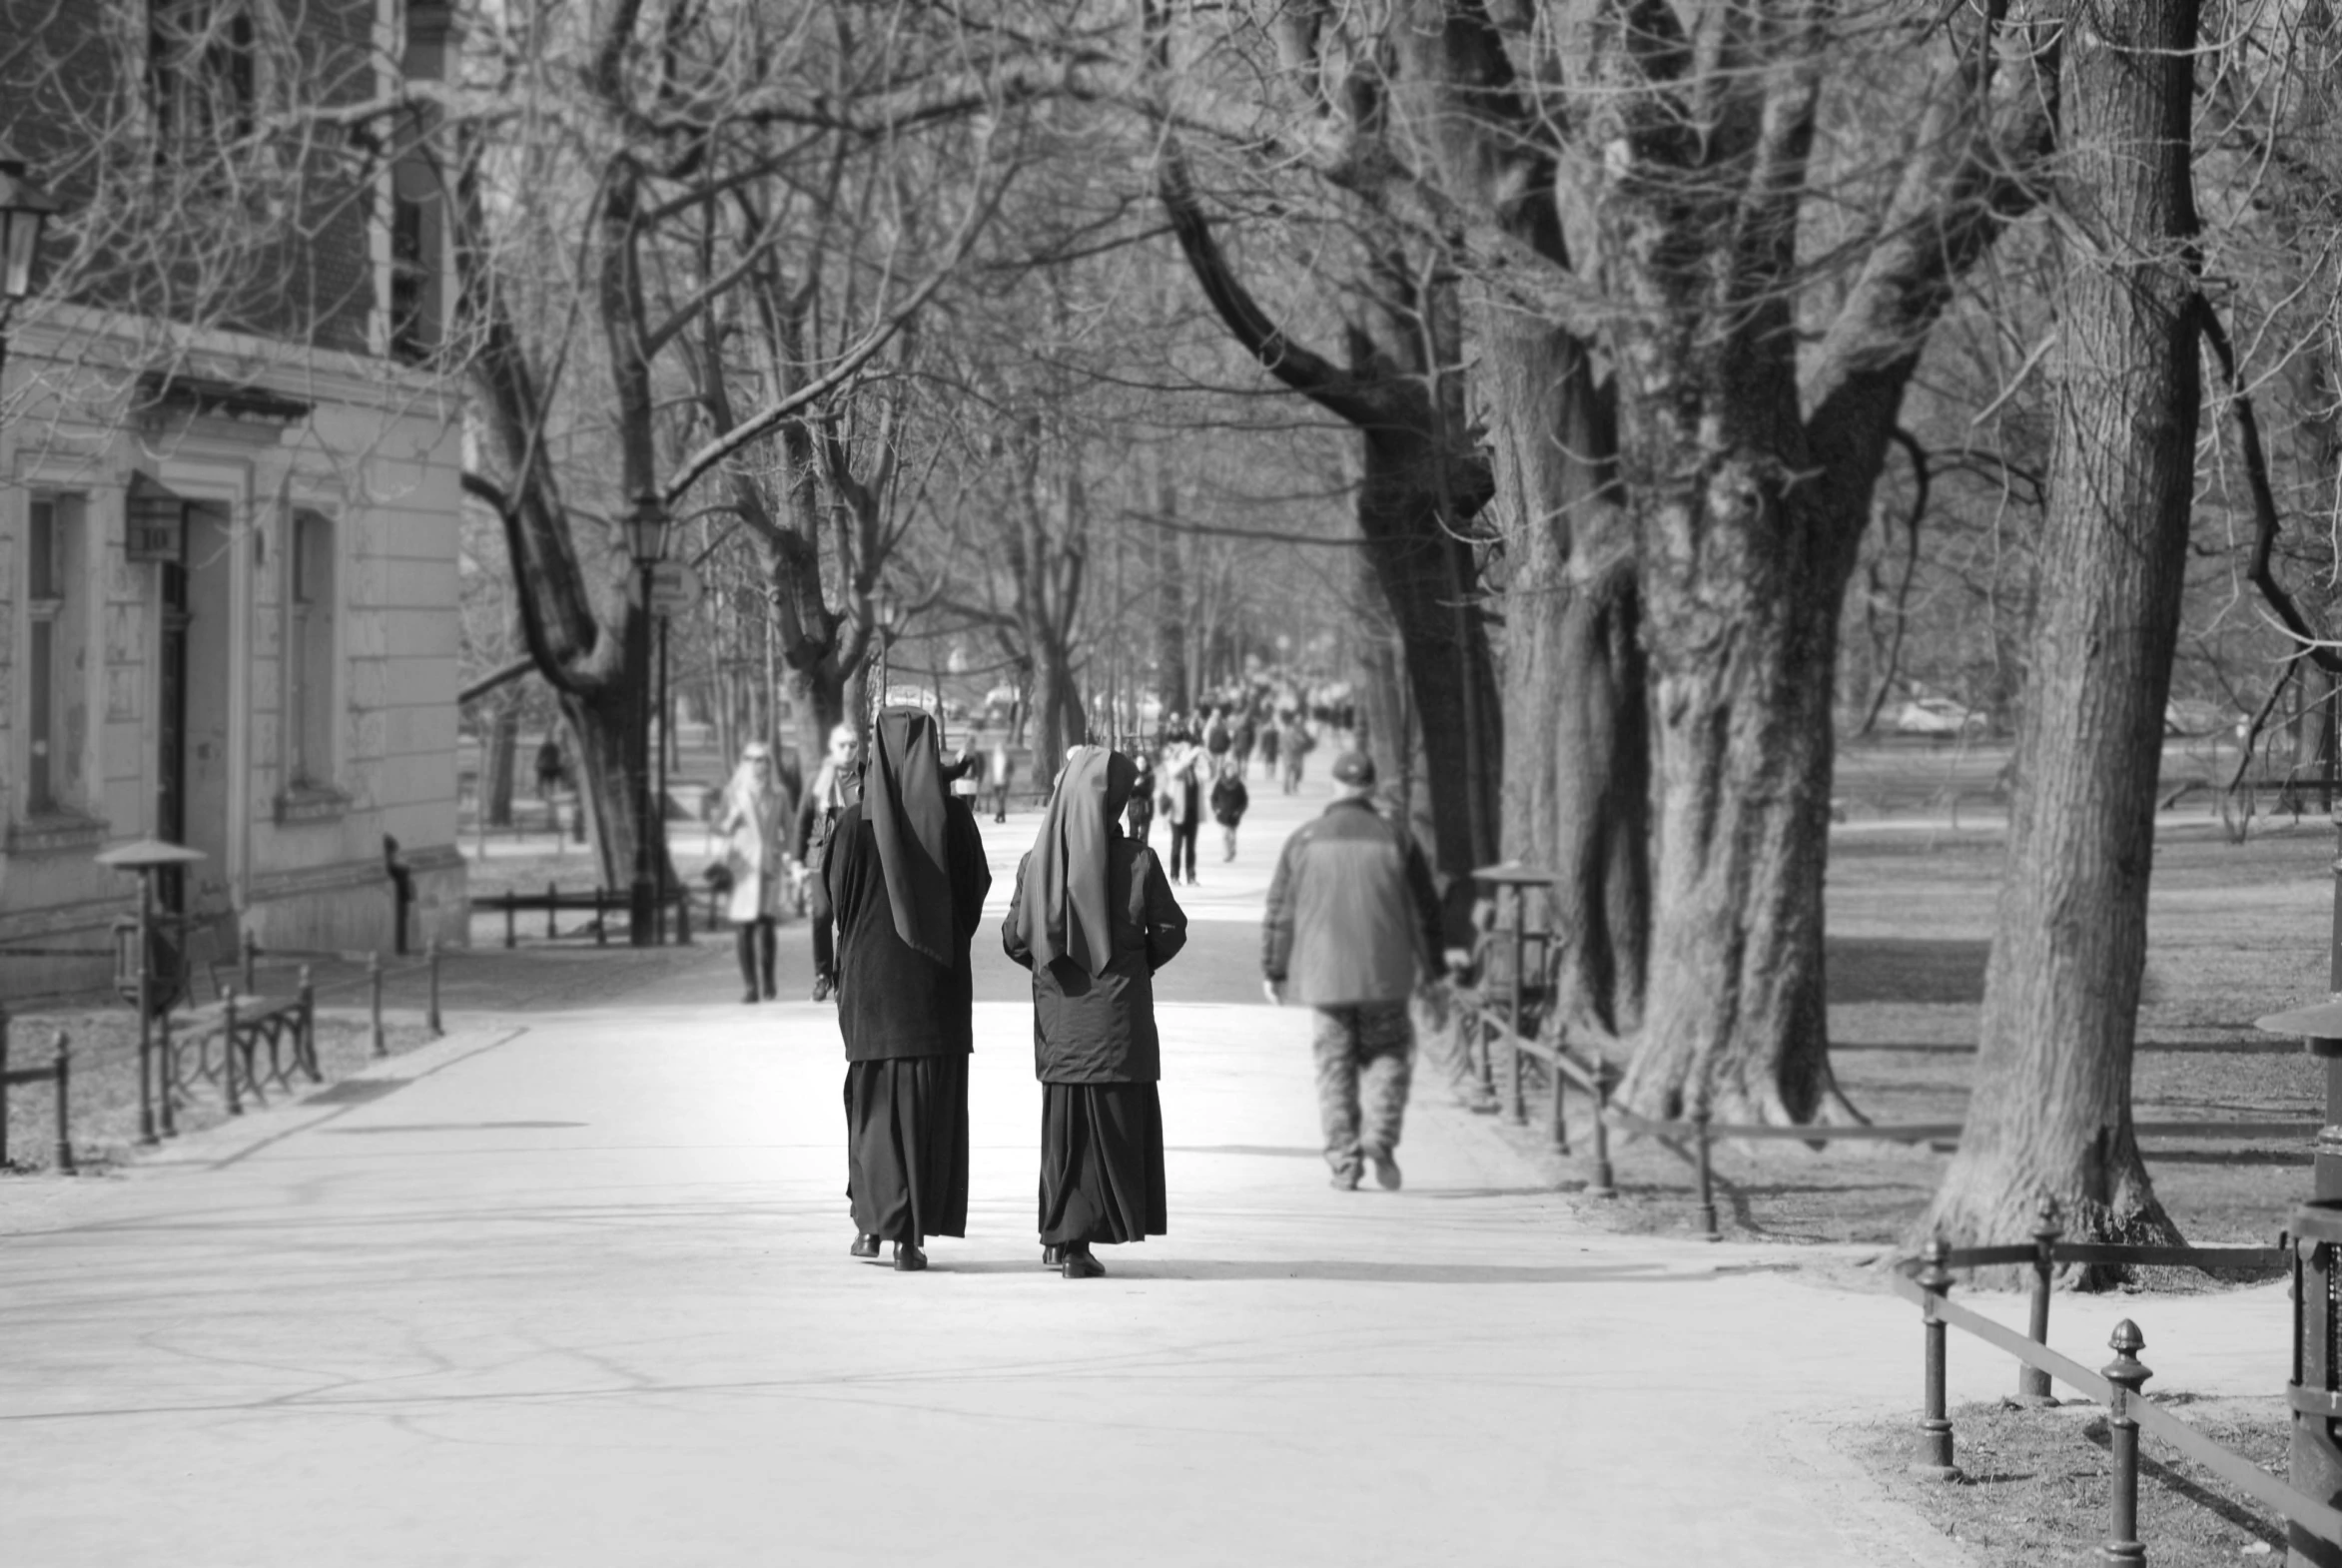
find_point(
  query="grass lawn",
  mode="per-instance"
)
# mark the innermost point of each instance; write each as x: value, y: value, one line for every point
x: 2236, y: 931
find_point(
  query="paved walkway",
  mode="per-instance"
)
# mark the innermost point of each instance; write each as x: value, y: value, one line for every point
x: 572, y: 1287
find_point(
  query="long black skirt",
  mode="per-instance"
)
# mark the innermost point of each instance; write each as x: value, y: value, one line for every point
x: 1102, y: 1163
x: 907, y: 1146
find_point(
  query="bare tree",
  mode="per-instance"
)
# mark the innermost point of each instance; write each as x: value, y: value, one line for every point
x: 2050, y: 1114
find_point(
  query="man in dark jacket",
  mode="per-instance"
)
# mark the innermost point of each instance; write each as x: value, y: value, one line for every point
x: 1353, y: 917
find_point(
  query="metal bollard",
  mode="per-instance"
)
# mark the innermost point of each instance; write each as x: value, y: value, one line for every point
x: 60, y: 1066
x: 1707, y: 1165
x: 511, y: 938
x: 228, y: 1055
x: 2032, y: 1384
x: 683, y: 917
x: 374, y: 981
x: 306, y: 1053
x: 252, y: 955
x: 2127, y: 1376
x: 1934, y: 1458
x: 1604, y: 1183
x: 552, y: 911
x: 1514, y: 1102
x: 167, y: 1076
x: 432, y: 1016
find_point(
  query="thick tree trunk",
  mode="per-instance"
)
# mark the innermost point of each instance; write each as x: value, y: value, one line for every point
x: 500, y: 760
x: 2050, y: 1115
x: 1428, y: 578
x: 1735, y: 1020
x: 821, y: 707
x: 1577, y: 776
x: 1058, y: 720
x: 1167, y: 570
x: 601, y: 733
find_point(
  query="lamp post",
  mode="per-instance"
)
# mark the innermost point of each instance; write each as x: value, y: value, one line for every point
x: 887, y: 615
x: 24, y: 208
x: 134, y: 969
x: 646, y: 537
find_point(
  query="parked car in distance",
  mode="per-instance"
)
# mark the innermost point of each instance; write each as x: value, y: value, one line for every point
x: 1938, y: 716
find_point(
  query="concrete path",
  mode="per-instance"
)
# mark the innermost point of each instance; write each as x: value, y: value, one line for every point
x: 572, y: 1288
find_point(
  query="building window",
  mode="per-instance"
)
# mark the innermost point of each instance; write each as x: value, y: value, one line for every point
x: 309, y: 665
x: 202, y: 66
x: 412, y: 331
x: 57, y: 653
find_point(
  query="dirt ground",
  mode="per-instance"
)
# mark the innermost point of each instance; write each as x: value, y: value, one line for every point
x: 2236, y: 931
x: 2032, y: 1488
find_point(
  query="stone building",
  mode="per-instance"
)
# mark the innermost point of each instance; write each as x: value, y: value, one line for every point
x: 228, y: 547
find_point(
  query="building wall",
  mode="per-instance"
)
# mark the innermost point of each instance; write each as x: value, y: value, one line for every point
x: 300, y: 868
x: 95, y: 398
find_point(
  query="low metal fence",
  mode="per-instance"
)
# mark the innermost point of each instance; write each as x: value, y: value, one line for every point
x: 57, y: 1074
x: 1692, y: 1138
x: 246, y: 1021
x: 1926, y: 1284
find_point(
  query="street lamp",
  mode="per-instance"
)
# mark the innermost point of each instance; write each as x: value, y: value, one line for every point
x: 647, y: 540
x: 886, y: 616
x: 134, y: 968
x: 24, y: 208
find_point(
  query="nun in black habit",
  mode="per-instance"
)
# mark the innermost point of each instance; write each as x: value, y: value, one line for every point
x: 907, y: 878
x: 1093, y: 919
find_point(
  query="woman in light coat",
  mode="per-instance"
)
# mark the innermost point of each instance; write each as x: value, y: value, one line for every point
x: 756, y: 816
x: 1183, y: 768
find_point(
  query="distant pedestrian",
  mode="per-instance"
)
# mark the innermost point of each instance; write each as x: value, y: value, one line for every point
x: 907, y: 877
x: 1297, y: 746
x: 836, y: 785
x: 1241, y: 742
x: 1268, y: 739
x: 1354, y: 918
x: 996, y: 775
x: 1218, y: 738
x: 1230, y: 799
x: 755, y: 818
x: 1180, y: 795
x: 1093, y: 918
x: 551, y: 769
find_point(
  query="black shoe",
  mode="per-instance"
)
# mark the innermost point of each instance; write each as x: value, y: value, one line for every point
x: 771, y: 992
x: 907, y: 1258
x: 1052, y: 1256
x: 1082, y: 1263
x: 1346, y: 1180
x: 823, y: 986
x: 751, y: 997
x: 865, y: 1246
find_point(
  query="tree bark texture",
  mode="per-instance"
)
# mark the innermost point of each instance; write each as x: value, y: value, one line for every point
x: 499, y: 759
x: 1165, y: 568
x: 1749, y: 510
x: 2051, y: 1115
x: 1421, y: 484
x: 1575, y: 796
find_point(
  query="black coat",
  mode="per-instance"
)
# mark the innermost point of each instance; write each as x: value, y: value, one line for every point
x: 1101, y: 1029
x: 894, y: 1001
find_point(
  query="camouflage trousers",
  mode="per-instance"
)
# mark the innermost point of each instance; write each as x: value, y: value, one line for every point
x: 1366, y: 1061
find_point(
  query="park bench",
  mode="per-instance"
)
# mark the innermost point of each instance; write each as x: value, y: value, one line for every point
x: 600, y: 901
x: 243, y: 1024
